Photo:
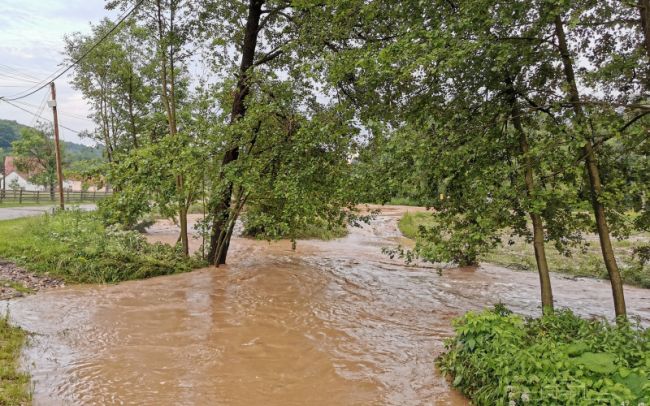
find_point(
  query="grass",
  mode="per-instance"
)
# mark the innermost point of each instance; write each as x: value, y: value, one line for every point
x: 14, y: 385
x: 520, y: 254
x: 410, y: 223
x: 76, y: 247
x: 15, y: 285
x: 321, y: 232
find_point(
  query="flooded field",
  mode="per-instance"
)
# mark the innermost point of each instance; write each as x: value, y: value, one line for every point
x: 331, y: 323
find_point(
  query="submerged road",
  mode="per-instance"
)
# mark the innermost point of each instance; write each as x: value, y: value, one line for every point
x: 10, y: 213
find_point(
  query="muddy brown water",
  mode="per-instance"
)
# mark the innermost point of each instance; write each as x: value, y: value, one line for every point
x: 332, y: 323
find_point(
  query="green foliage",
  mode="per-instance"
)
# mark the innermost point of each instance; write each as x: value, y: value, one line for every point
x: 81, y: 153
x: 76, y: 246
x: 125, y: 209
x: 434, y: 243
x: 14, y: 385
x: 517, y: 253
x: 261, y: 225
x: 499, y: 358
x: 35, y: 153
x: 410, y: 223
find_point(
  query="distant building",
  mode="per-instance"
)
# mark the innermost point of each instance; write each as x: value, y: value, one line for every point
x: 78, y: 186
x: 14, y: 179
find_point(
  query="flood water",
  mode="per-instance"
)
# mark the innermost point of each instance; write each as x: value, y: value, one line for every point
x: 332, y: 323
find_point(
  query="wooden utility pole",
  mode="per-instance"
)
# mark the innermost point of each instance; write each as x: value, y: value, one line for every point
x: 57, y: 149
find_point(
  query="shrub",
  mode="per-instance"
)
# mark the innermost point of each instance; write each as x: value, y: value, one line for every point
x: 77, y: 247
x: 499, y: 358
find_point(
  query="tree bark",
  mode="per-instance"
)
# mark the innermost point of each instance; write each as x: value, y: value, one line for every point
x: 644, y: 11
x: 169, y: 99
x: 221, y: 208
x: 591, y: 163
x: 538, y: 225
x: 134, y: 131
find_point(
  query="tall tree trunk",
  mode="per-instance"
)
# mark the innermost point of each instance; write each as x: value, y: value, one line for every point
x: 134, y: 131
x: 169, y: 100
x: 221, y: 208
x: 538, y: 225
x: 644, y: 11
x: 591, y: 163
x: 105, y: 126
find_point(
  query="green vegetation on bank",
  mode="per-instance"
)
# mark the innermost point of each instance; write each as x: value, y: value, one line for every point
x: 14, y: 385
x: 316, y: 229
x: 499, y: 358
x: 77, y: 247
x: 410, y: 223
x: 585, y: 261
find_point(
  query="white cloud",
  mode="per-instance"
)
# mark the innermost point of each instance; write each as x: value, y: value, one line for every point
x: 31, y: 42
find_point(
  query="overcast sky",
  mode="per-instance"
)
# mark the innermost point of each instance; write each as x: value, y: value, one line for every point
x: 31, y: 42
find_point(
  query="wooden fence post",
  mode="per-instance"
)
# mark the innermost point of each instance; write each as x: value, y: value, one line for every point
x: 20, y: 199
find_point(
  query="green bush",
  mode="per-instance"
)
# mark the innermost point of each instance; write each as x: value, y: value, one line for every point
x: 77, y: 247
x: 499, y: 358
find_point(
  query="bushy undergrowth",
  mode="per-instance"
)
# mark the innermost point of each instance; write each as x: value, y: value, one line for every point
x: 77, y: 247
x: 632, y: 254
x: 257, y: 225
x: 499, y: 358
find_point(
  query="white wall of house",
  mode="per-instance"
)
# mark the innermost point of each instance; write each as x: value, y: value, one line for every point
x: 15, y: 178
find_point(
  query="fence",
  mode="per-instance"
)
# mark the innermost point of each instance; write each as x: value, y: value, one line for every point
x: 24, y: 196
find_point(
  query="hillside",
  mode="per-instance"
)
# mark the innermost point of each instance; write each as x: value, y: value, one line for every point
x: 10, y: 131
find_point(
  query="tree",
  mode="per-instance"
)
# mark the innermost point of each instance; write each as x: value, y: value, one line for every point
x: 479, y: 94
x: 266, y: 44
x: 35, y: 153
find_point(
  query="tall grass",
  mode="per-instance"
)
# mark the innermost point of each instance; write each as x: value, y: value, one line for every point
x: 77, y: 247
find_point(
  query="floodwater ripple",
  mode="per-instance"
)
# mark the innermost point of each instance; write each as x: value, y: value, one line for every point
x: 331, y: 323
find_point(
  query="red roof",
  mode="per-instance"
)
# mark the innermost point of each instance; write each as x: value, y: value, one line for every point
x: 10, y: 165
x: 33, y: 167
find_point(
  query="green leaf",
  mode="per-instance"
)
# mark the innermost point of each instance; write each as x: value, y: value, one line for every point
x: 600, y: 362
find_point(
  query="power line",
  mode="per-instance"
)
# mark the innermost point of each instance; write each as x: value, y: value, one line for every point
x: 42, y: 106
x: 16, y: 71
x: 37, y: 115
x: 16, y: 78
x: 40, y: 110
x: 75, y: 62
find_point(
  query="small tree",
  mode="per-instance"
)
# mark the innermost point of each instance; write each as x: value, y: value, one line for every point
x: 35, y: 155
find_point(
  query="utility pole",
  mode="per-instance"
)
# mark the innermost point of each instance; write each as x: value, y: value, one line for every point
x: 57, y: 149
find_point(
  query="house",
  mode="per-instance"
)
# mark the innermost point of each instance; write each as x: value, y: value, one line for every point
x: 14, y: 179
x: 78, y: 186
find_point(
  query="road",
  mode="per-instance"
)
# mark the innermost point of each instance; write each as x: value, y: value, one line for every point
x: 10, y: 213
